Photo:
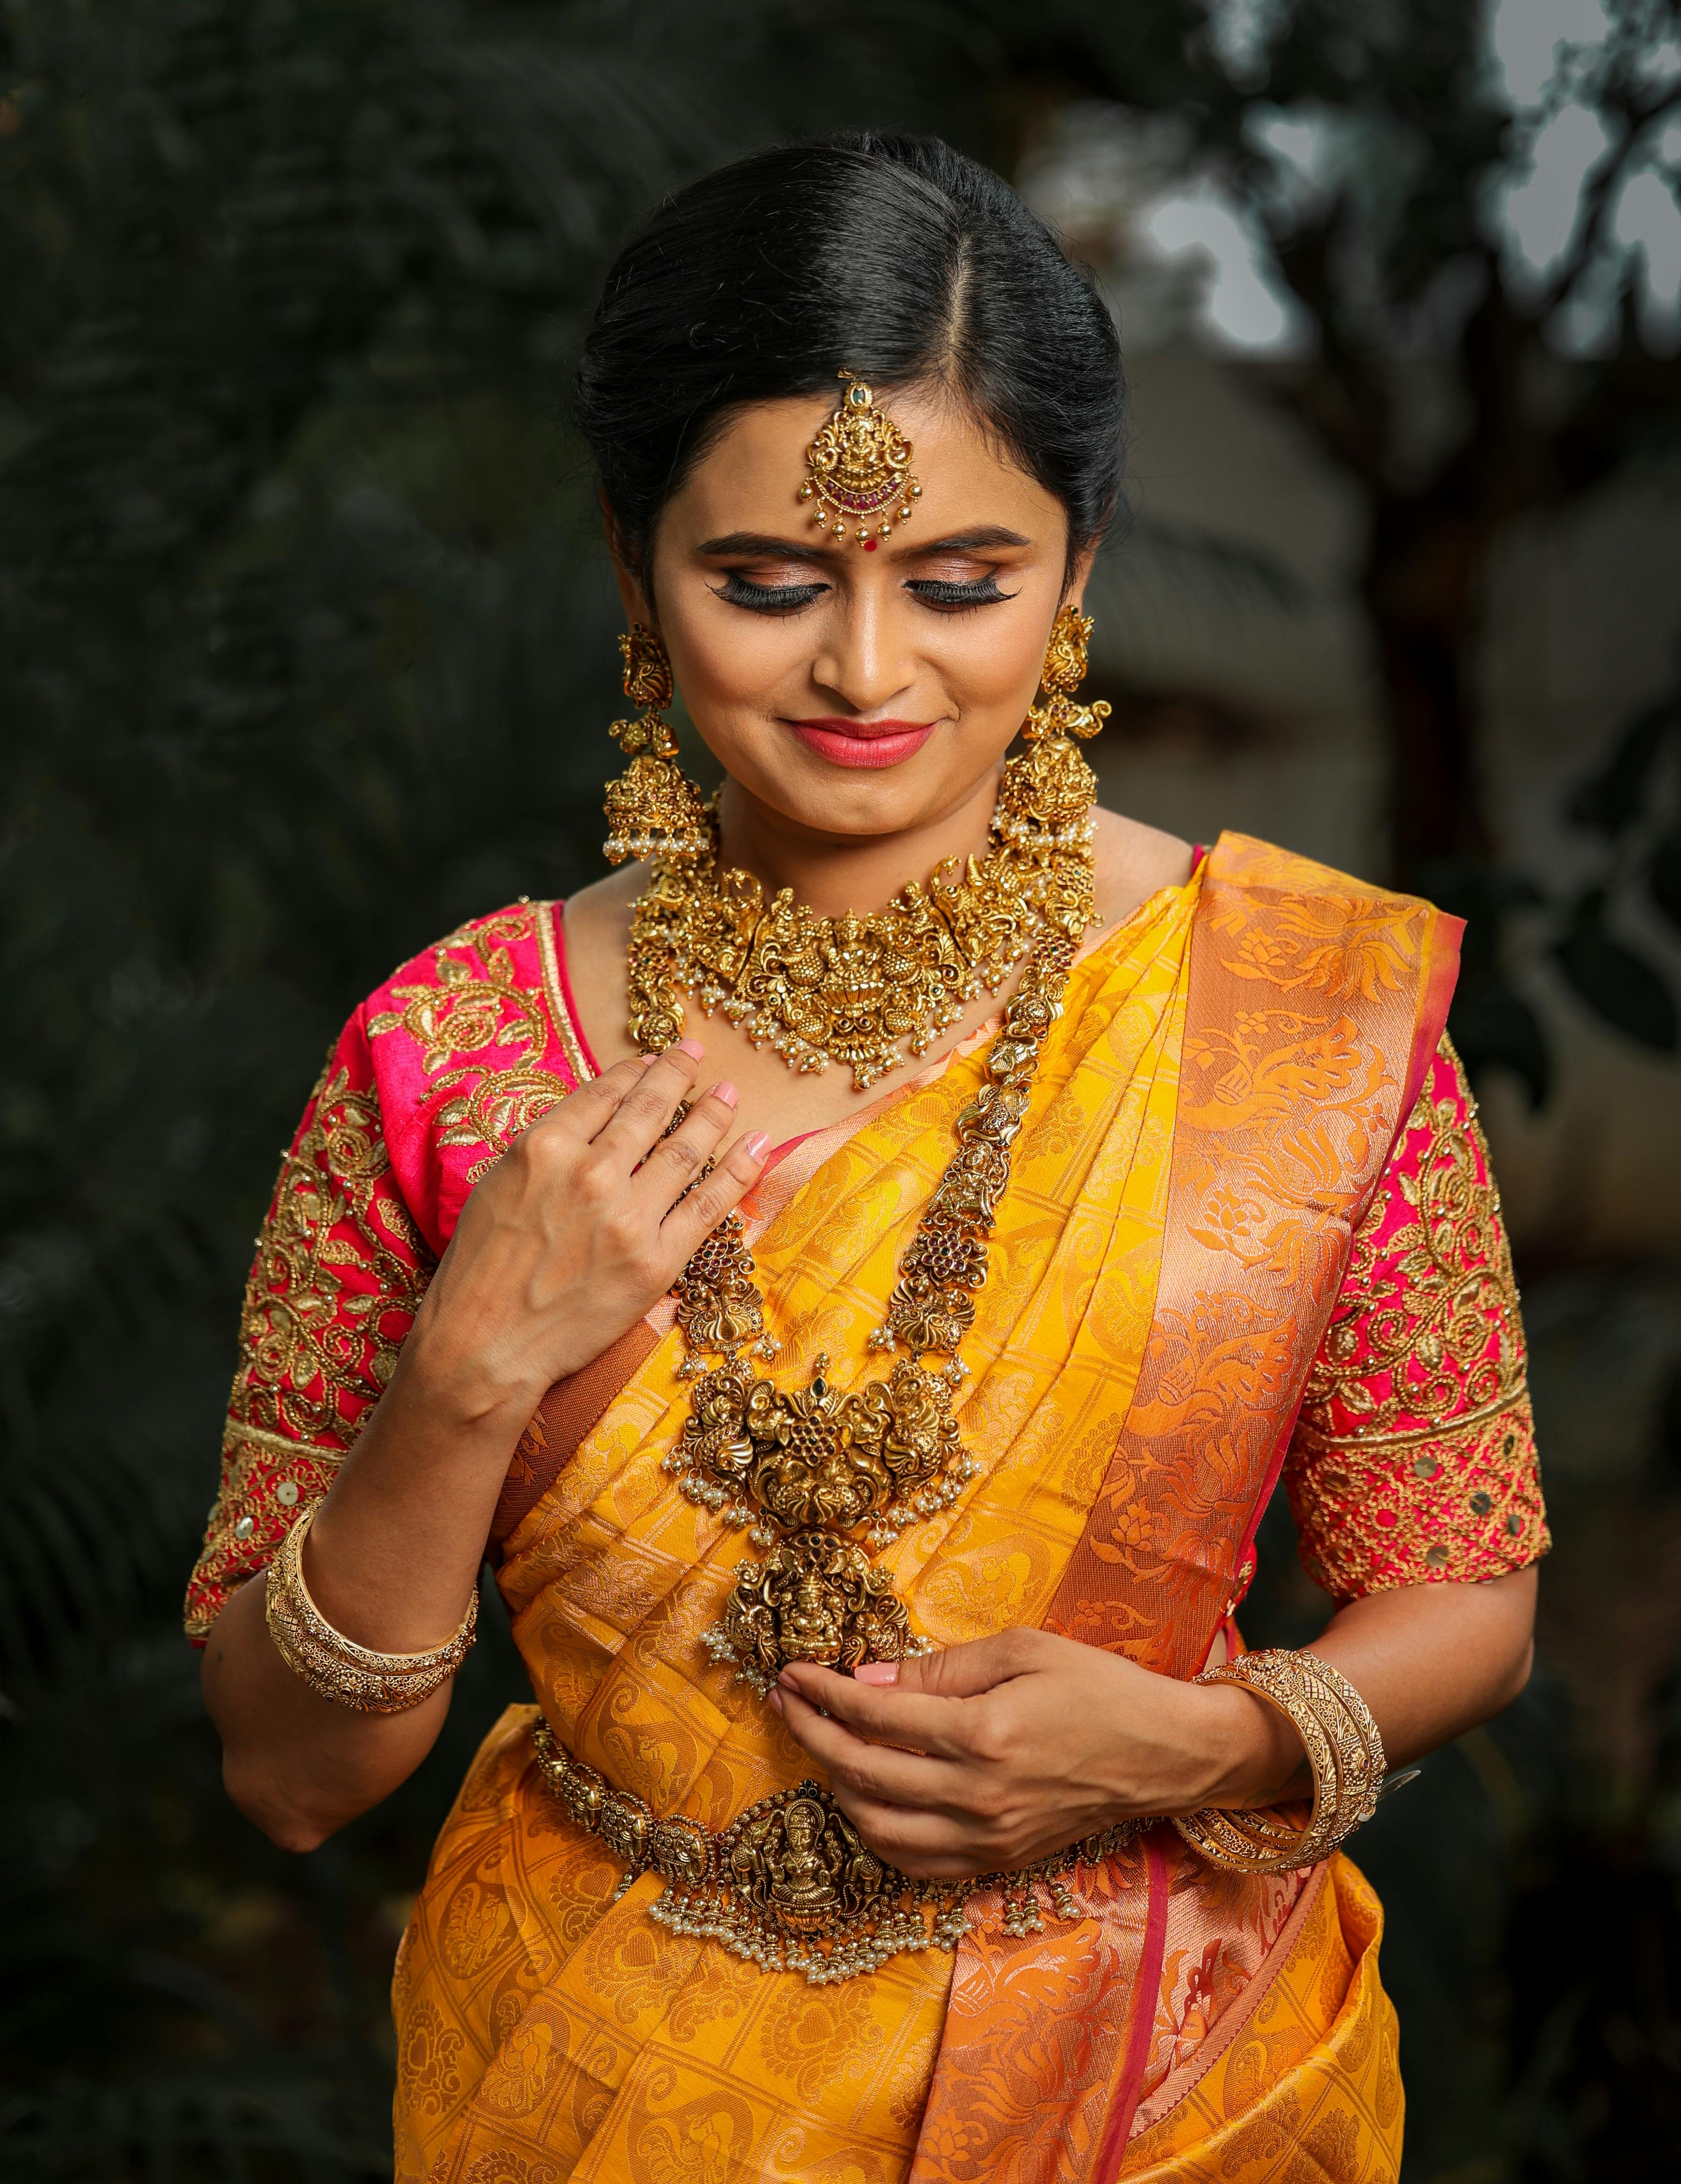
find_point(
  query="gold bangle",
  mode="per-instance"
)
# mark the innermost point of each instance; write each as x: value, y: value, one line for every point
x: 1355, y: 1734
x: 335, y: 1667
x: 1345, y: 1751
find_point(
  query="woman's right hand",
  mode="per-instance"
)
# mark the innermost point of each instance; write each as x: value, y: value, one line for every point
x: 579, y: 1227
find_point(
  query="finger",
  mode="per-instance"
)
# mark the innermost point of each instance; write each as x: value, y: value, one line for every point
x: 927, y: 1846
x: 965, y: 1672
x: 680, y: 1155
x: 884, y: 1714
x: 647, y: 1108
x: 588, y: 1110
x: 703, y: 1208
x: 890, y: 1776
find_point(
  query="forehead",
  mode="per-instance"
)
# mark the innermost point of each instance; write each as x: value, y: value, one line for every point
x: 753, y: 470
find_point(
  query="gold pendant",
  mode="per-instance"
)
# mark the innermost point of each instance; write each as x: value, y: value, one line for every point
x: 805, y: 1470
x: 814, y: 1598
x: 816, y: 1465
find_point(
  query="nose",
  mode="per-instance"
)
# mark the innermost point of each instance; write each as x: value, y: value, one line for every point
x: 863, y: 654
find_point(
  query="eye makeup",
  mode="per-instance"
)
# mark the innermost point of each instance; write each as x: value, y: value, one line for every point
x: 948, y: 595
x: 944, y: 595
x: 741, y: 591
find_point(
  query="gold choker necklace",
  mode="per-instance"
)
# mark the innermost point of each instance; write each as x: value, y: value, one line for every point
x: 868, y: 992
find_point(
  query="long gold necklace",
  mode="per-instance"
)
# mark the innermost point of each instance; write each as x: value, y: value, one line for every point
x: 818, y: 1478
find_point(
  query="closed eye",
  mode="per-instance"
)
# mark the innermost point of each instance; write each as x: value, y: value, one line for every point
x: 944, y: 594
x: 767, y: 599
x: 947, y: 597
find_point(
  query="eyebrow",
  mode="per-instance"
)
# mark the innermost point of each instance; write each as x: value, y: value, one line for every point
x: 806, y: 549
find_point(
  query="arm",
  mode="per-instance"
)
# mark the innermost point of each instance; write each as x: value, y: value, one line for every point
x: 1022, y: 1743
x: 566, y: 1243
x: 1413, y: 1478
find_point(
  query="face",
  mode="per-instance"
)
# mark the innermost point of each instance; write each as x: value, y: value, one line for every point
x: 849, y: 693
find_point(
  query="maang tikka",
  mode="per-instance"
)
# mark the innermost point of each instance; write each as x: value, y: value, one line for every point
x: 653, y: 809
x: 859, y: 464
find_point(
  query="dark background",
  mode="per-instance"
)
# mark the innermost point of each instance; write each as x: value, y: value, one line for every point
x: 306, y: 652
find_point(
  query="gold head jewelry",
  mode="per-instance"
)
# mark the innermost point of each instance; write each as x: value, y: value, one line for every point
x: 653, y: 809
x: 859, y: 467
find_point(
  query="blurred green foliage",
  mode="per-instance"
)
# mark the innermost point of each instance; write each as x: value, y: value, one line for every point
x: 305, y: 653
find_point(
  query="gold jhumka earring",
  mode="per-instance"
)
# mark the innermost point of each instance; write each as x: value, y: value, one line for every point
x: 1048, y: 788
x: 653, y: 809
x: 859, y: 466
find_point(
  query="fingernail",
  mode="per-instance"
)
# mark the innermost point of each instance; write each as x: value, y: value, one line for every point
x: 648, y: 1060
x: 724, y: 1090
x: 756, y: 1144
x: 691, y: 1047
x: 876, y: 1672
x: 776, y: 1701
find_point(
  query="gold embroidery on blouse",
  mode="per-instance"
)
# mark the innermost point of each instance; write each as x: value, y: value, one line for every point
x: 1460, y: 1506
x: 1446, y: 1293
x: 308, y: 1337
x: 1454, y: 1494
x: 572, y: 1044
x: 480, y: 1002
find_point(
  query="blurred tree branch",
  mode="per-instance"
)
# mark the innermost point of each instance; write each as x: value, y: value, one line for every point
x: 1388, y: 237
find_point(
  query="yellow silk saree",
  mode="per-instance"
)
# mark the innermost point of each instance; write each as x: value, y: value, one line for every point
x: 1227, y: 1113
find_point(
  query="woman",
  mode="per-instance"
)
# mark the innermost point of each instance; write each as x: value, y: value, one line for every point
x: 871, y: 1385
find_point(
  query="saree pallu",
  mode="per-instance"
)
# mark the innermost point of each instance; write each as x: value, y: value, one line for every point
x: 1163, y: 1298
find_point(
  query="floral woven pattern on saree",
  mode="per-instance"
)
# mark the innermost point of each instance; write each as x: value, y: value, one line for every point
x: 538, y: 2016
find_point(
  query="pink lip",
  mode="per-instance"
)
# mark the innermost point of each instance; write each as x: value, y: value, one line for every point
x: 863, y: 742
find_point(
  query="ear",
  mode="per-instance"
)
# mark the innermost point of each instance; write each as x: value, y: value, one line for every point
x: 637, y: 607
x: 1074, y: 595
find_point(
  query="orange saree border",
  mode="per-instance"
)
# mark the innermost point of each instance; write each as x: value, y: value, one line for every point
x: 1314, y: 1007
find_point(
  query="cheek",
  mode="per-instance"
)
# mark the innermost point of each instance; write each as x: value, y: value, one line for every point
x: 990, y: 660
x: 735, y: 662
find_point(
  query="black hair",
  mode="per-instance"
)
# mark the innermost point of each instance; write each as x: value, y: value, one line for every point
x: 893, y: 257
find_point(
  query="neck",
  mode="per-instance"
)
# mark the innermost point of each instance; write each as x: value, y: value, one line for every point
x: 834, y: 873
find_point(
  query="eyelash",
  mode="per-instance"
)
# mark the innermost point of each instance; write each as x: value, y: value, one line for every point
x: 943, y: 596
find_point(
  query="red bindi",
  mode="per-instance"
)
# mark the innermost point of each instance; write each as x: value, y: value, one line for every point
x: 870, y: 545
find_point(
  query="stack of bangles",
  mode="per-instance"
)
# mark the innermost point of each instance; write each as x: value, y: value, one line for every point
x: 1345, y: 1751
x: 335, y: 1668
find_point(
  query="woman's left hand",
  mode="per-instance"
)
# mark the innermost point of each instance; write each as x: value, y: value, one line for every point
x: 995, y: 1754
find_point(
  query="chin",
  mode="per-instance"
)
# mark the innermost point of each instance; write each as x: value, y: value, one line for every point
x: 862, y: 800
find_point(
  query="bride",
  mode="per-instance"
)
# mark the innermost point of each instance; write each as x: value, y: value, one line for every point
x: 863, y: 1265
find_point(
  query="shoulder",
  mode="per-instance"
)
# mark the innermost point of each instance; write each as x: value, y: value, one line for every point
x: 1132, y: 862
x: 470, y: 1041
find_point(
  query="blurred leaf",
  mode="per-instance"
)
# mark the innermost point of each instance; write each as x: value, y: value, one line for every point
x: 1663, y: 875
x: 1620, y: 988
x: 1492, y: 1026
x: 1612, y: 798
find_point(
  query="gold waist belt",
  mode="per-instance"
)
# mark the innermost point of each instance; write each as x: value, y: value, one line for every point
x: 791, y: 1885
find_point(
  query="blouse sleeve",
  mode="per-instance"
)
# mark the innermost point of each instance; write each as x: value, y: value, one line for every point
x: 1413, y: 1461
x: 339, y: 1273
